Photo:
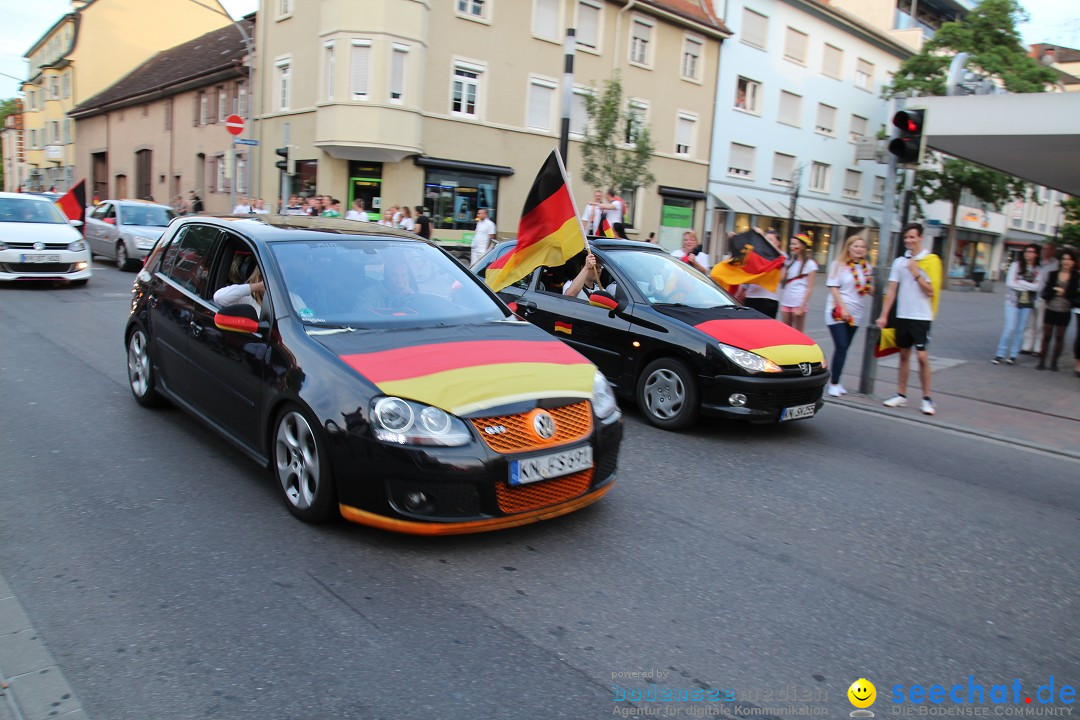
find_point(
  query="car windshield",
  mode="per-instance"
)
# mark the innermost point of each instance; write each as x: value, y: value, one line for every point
x: 150, y: 215
x: 365, y: 283
x: 666, y: 280
x: 17, y: 210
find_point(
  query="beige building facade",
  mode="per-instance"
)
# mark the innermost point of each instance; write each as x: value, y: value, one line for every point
x: 84, y: 52
x: 455, y: 105
x: 159, y: 132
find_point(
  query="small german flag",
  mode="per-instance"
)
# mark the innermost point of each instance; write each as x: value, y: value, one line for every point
x: 754, y: 261
x: 549, y: 232
x: 73, y: 202
x: 564, y: 327
x: 605, y: 228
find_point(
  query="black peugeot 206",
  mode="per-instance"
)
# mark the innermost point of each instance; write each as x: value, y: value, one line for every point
x: 372, y: 374
x: 669, y: 338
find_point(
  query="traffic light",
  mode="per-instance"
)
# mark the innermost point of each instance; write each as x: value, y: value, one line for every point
x: 908, y: 148
x: 283, y: 164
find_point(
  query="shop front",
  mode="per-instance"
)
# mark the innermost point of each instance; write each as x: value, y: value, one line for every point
x: 365, y: 183
x: 677, y: 214
x: 454, y: 191
x: 971, y: 255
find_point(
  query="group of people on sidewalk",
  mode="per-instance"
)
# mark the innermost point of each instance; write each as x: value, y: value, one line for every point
x: 1042, y: 294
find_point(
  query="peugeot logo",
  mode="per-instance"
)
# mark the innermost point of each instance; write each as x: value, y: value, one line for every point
x: 544, y: 425
x: 806, y: 368
x: 39, y: 246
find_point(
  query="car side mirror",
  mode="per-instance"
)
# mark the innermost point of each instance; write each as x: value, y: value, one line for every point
x: 607, y: 301
x: 75, y: 223
x: 240, y: 318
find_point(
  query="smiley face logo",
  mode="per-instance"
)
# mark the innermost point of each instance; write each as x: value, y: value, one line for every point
x: 862, y: 693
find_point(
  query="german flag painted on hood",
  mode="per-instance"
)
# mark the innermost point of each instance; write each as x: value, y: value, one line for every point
x: 463, y: 377
x: 771, y: 339
x: 754, y: 261
x: 549, y: 232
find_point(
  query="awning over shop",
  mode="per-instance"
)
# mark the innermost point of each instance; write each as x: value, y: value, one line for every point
x: 681, y: 193
x: 774, y: 208
x: 462, y: 165
x: 734, y: 203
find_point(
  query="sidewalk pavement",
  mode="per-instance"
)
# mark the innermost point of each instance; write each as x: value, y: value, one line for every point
x: 1014, y: 404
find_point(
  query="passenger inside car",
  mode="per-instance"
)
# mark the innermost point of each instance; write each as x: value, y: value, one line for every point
x: 395, y: 290
x: 579, y: 277
x: 245, y: 281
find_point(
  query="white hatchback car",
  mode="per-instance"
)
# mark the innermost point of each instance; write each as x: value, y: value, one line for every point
x: 38, y: 243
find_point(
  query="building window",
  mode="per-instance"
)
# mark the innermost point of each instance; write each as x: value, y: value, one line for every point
x: 33, y: 139
x: 328, y: 50
x: 398, y: 57
x: 588, y: 24
x: 691, y: 57
x: 473, y: 8
x: 878, y: 195
x: 67, y: 131
x: 466, y: 89
x: 241, y: 99
x: 826, y: 119
x: 864, y: 75
x: 220, y: 180
x: 795, y: 42
x: 67, y: 84
x: 832, y: 61
x: 284, y: 84
x: 858, y: 127
x: 636, y: 111
x: 361, y: 68
x: 755, y: 28
x: 54, y: 87
x: 454, y: 197
x: 541, y: 99
x: 748, y: 95
x: 546, y: 19
x: 54, y: 132
x: 783, y: 169
x: 641, y: 42
x: 241, y: 173
x: 819, y: 176
x: 685, y: 125
x: 579, y: 116
x: 204, y: 108
x: 741, y: 162
x: 31, y: 100
x: 284, y: 8
x: 790, y: 109
x: 852, y: 181
x: 222, y: 103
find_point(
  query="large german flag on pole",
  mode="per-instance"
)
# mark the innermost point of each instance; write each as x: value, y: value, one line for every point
x: 549, y: 233
x: 753, y: 261
x: 73, y: 202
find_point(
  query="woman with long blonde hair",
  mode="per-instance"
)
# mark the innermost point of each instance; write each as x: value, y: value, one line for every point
x: 851, y: 288
x: 797, y: 284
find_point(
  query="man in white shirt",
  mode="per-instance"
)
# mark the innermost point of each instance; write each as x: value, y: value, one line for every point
x: 913, y: 292
x: 485, y: 230
x: 242, y: 207
x: 614, y: 211
x: 592, y: 214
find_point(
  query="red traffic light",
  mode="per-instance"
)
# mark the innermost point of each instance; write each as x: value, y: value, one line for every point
x: 909, y: 121
x: 908, y: 148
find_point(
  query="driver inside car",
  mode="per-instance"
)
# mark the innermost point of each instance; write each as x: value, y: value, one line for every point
x: 395, y: 290
x: 587, y: 281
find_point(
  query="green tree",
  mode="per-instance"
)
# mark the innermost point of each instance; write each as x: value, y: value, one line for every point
x: 988, y: 33
x: 1070, y: 229
x: 618, y: 145
x: 7, y: 107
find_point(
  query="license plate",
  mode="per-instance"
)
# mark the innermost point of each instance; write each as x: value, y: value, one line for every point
x: 553, y: 465
x: 797, y: 413
x: 40, y: 259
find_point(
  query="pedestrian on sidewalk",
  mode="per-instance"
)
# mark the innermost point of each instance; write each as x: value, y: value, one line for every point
x: 912, y: 291
x: 1062, y: 294
x: 1048, y: 263
x: 797, y: 284
x: 851, y: 286
x: 1021, y: 288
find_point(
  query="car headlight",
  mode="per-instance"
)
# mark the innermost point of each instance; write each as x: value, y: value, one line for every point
x: 411, y: 423
x: 603, y: 398
x: 75, y: 246
x: 748, y: 360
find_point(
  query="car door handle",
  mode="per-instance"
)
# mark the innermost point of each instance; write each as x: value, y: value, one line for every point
x: 153, y: 300
x: 196, y: 330
x: 526, y: 306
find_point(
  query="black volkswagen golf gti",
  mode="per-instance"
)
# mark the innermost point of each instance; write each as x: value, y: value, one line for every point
x: 372, y: 374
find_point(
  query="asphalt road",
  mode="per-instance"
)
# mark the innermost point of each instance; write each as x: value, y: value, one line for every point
x: 168, y: 580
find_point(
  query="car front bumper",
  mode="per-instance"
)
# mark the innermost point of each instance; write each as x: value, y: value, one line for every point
x: 68, y: 266
x: 766, y: 397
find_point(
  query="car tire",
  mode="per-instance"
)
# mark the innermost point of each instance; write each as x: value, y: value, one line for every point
x: 141, y: 377
x: 300, y: 464
x: 667, y: 394
x: 123, y: 262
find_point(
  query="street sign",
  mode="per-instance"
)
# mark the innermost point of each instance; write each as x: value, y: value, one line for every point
x: 234, y: 124
x: 245, y: 141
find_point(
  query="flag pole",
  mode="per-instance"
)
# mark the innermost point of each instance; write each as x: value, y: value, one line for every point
x: 573, y: 203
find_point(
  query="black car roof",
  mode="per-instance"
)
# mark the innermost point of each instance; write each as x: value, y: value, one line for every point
x: 277, y: 228
x: 606, y: 243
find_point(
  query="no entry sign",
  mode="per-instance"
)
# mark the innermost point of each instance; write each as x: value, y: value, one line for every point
x: 234, y: 124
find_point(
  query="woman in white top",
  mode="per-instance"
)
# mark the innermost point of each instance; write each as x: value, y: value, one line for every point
x: 851, y: 288
x: 798, y: 283
x: 406, y: 222
x: 250, y: 292
x: 1022, y: 287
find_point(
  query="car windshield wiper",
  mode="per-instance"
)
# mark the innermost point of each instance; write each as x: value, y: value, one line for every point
x: 323, y: 328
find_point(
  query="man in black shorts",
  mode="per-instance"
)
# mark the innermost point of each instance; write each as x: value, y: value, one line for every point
x: 911, y: 289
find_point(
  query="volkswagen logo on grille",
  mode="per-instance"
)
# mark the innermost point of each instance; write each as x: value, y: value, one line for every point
x: 39, y: 246
x: 806, y: 368
x: 544, y: 425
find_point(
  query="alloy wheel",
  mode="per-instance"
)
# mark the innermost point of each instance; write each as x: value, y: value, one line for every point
x: 296, y: 457
x: 138, y: 364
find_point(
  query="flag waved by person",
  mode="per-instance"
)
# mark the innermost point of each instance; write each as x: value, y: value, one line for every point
x: 754, y: 261
x: 73, y: 202
x: 549, y: 232
x: 605, y: 229
x: 931, y: 265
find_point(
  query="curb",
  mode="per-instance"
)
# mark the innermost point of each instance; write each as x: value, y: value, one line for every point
x: 923, y: 420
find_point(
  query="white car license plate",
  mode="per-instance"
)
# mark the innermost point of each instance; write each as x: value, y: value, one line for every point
x: 553, y: 465
x: 797, y: 413
x: 40, y: 258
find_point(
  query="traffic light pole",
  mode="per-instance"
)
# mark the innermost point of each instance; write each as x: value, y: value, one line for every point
x: 881, y: 274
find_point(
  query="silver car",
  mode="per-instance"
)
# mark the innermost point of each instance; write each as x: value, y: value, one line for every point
x: 125, y: 230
